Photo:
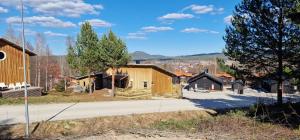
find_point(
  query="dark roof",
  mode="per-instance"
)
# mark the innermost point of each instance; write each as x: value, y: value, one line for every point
x: 16, y: 46
x: 86, y: 76
x: 151, y: 66
x: 205, y: 74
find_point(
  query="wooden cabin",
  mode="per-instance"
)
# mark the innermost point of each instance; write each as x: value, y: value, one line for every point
x: 84, y: 81
x: 11, y: 62
x: 205, y: 81
x: 147, y: 77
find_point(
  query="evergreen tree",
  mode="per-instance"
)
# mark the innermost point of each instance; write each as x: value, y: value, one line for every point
x: 83, y: 57
x: 263, y: 40
x: 114, y: 54
x: 296, y: 13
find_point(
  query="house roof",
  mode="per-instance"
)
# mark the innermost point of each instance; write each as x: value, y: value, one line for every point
x: 223, y: 75
x: 16, y: 46
x: 205, y: 74
x: 86, y: 76
x: 180, y: 73
x: 153, y: 67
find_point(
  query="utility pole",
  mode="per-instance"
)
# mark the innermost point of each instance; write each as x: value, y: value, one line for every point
x: 25, y: 74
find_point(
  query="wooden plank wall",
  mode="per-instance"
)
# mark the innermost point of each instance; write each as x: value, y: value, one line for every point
x: 11, y: 69
x: 162, y: 83
x: 138, y: 76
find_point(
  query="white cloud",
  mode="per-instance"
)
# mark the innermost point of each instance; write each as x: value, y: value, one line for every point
x: 204, y: 9
x: 137, y: 35
x: 196, y: 30
x: 3, y: 10
x: 228, y: 19
x: 98, y: 23
x: 42, y: 21
x: 156, y: 29
x: 50, y: 33
x: 68, y: 8
x: 173, y: 16
x: 27, y: 31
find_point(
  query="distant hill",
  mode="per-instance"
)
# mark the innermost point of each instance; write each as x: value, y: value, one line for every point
x: 139, y: 55
x: 203, y: 56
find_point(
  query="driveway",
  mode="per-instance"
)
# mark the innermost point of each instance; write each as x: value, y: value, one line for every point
x: 11, y: 114
x: 66, y: 111
x: 229, y: 99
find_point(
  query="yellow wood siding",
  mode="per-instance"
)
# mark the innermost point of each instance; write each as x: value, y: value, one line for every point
x: 84, y: 82
x: 138, y: 76
x: 162, y: 83
x: 158, y: 82
x: 11, y: 69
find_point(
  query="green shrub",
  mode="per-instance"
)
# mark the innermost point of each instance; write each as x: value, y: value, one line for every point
x: 237, y: 113
x: 60, y: 86
x: 176, y: 124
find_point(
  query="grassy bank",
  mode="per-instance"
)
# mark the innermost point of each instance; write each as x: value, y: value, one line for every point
x: 188, y: 124
x: 61, y: 97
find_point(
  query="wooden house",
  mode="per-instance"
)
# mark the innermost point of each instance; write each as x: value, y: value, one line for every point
x: 84, y: 81
x: 11, y: 62
x: 149, y: 77
x: 184, y: 76
x: 205, y: 81
x: 225, y: 77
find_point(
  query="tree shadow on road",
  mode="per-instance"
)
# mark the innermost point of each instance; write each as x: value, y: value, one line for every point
x: 262, y: 109
x: 35, y: 128
x: 235, y: 101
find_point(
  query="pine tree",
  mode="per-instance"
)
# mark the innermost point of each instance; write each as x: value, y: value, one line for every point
x: 263, y: 40
x: 114, y: 54
x: 82, y: 56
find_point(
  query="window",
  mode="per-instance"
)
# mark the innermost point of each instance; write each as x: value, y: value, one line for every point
x: 145, y: 84
x: 2, y: 55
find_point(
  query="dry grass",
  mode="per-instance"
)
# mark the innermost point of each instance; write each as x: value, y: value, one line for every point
x: 86, y: 127
x: 62, y: 97
x: 190, y: 124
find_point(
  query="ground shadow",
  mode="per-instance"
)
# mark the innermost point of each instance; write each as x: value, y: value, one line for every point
x: 35, y: 128
x: 236, y: 101
x: 263, y: 108
x: 6, y: 132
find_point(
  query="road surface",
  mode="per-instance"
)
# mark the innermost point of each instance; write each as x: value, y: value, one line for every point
x: 12, y: 114
x: 49, y: 112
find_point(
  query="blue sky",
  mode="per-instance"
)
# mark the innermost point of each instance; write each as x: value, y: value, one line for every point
x: 167, y: 27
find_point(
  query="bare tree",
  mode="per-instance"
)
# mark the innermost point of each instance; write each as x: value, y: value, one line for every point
x: 10, y: 34
x: 48, y: 53
x: 40, y: 43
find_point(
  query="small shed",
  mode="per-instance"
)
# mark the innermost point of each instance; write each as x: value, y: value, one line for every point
x: 83, y: 81
x: 205, y: 81
x: 271, y: 86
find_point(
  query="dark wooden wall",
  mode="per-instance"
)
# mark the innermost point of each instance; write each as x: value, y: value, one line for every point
x: 206, y: 83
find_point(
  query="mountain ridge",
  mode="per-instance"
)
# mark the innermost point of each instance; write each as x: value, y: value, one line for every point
x: 140, y: 55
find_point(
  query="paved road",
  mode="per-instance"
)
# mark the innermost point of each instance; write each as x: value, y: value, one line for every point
x: 192, y: 101
x: 15, y: 114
